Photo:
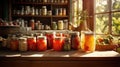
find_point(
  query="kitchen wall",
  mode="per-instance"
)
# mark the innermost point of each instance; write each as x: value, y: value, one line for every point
x: 4, y: 9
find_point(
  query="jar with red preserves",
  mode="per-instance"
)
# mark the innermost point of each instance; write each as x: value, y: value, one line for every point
x: 75, y: 40
x: 41, y: 43
x: 31, y: 41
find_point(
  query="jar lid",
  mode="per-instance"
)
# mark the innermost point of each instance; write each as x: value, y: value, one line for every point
x: 41, y: 37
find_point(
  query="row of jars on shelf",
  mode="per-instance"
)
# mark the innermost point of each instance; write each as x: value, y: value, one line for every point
x: 51, y: 40
x: 37, y: 24
x: 44, y: 1
x: 40, y: 42
x: 27, y: 10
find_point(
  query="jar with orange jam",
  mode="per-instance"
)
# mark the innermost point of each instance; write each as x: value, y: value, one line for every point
x: 87, y: 41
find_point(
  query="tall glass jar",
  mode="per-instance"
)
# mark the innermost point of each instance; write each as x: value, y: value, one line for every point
x: 87, y: 41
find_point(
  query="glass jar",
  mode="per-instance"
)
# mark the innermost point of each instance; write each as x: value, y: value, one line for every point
x: 61, y: 11
x: 44, y: 1
x: 75, y: 40
x: 87, y: 41
x: 58, y: 43
x: 32, y: 11
x: 64, y: 11
x: 41, y: 43
x: 32, y: 24
x: 54, y: 26
x: 22, y: 44
x: 50, y: 37
x: 31, y: 41
x: 65, y: 24
x: 60, y: 25
x: 67, y: 44
x: 44, y: 10
x: 14, y: 44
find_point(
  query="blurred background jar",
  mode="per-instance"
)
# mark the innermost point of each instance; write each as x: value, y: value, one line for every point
x: 60, y: 25
x: 23, y: 44
x: 14, y: 44
x: 44, y: 10
x: 32, y: 24
x: 54, y: 26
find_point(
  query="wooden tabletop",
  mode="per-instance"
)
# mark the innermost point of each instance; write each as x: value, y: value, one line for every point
x: 51, y: 53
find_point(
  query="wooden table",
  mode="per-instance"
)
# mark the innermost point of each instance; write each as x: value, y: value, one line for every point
x: 52, y: 58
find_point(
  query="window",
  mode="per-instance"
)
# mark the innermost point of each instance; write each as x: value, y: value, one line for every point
x: 107, y: 17
x: 76, y: 7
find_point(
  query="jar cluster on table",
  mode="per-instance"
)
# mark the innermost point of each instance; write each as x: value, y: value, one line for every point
x: 43, y: 41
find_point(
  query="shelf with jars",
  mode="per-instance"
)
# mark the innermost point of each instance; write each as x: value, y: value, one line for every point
x: 45, y: 11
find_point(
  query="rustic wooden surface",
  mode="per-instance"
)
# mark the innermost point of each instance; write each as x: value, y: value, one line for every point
x: 52, y: 58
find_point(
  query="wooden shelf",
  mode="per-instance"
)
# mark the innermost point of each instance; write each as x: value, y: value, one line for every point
x: 29, y: 3
x: 19, y: 6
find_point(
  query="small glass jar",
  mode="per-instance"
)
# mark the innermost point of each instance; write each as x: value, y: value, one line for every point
x: 32, y: 24
x: 50, y: 13
x: 60, y: 25
x: 54, y: 26
x: 41, y: 43
x: 14, y: 44
x: 22, y: 44
x: 64, y: 11
x: 44, y: 1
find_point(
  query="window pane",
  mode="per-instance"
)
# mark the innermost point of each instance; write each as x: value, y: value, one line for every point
x: 101, y: 6
x: 116, y: 23
x: 115, y: 4
x: 101, y: 26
